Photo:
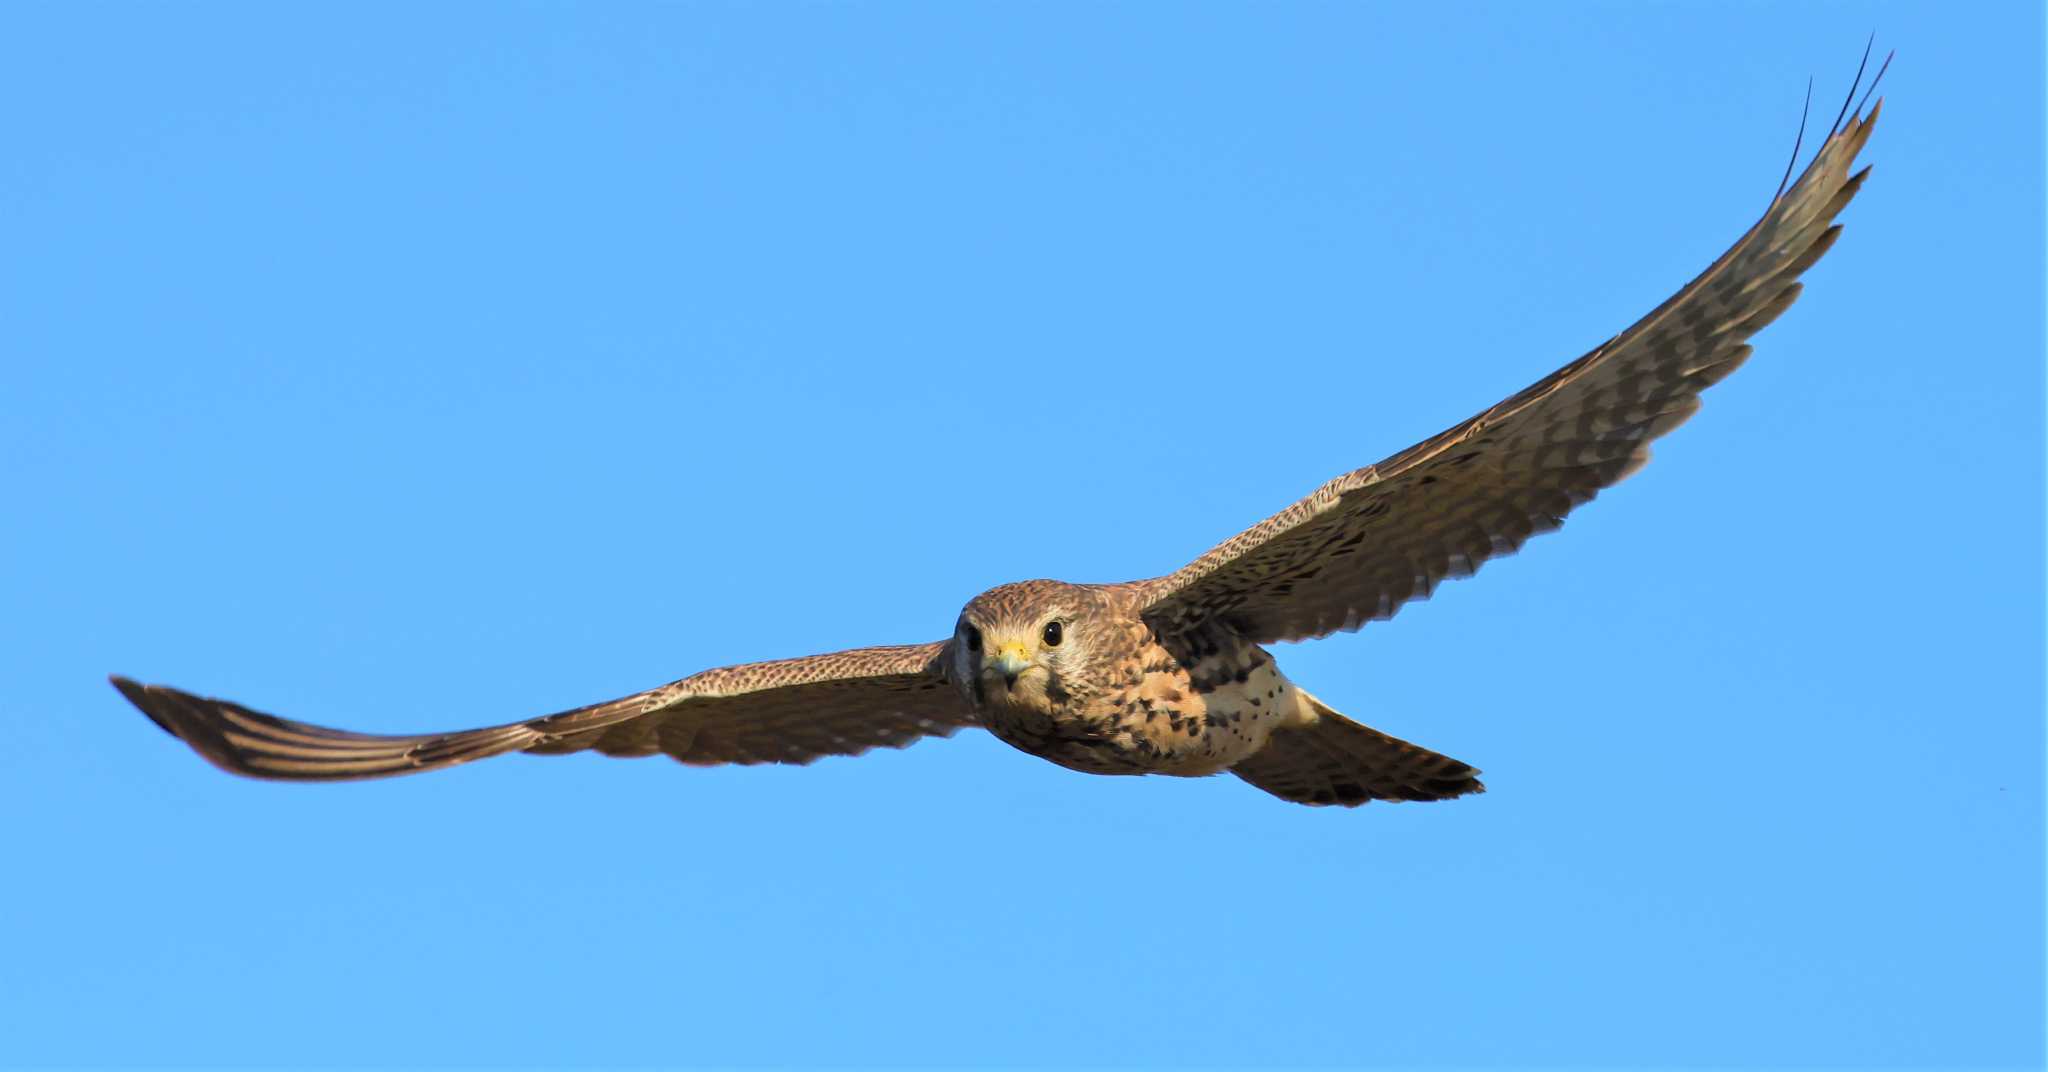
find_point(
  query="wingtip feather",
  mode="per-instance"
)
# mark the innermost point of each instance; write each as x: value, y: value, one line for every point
x: 135, y: 692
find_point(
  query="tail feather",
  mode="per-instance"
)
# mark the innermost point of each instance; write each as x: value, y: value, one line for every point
x: 1329, y: 759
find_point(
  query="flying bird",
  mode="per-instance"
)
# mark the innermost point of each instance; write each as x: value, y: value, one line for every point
x: 1171, y: 675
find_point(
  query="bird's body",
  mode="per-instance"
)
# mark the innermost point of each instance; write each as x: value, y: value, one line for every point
x: 1171, y: 675
x: 1117, y: 694
x: 1187, y: 704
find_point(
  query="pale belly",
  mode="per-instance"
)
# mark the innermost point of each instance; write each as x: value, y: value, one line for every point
x: 1168, y: 721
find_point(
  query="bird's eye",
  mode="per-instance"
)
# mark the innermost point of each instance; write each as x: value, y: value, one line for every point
x: 973, y: 639
x: 1053, y: 634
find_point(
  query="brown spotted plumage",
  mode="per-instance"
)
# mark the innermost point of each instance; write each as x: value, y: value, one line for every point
x: 1168, y: 676
x: 790, y: 711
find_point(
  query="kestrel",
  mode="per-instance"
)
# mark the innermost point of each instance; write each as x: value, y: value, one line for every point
x: 1170, y: 675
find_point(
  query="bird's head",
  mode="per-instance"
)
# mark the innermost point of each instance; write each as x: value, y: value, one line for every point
x: 1023, y: 644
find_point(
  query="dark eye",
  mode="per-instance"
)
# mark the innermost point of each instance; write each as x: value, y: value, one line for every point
x: 1053, y: 634
x: 973, y: 639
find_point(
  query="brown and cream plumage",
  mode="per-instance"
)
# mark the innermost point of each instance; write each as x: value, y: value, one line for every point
x: 1168, y: 675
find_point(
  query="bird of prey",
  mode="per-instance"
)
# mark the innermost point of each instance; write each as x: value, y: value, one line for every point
x: 1170, y: 675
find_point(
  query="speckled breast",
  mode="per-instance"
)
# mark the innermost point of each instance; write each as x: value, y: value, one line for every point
x: 1188, y: 705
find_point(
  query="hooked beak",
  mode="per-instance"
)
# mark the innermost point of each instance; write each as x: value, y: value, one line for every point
x: 1010, y: 661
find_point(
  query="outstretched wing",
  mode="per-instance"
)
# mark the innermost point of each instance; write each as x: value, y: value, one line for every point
x: 789, y: 711
x: 1371, y: 540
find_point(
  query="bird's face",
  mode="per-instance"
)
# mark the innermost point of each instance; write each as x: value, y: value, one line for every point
x: 1012, y: 647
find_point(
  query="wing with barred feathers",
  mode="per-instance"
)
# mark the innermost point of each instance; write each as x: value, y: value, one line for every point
x: 1373, y: 539
x: 788, y: 711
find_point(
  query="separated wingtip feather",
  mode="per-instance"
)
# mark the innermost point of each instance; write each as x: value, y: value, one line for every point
x: 135, y: 692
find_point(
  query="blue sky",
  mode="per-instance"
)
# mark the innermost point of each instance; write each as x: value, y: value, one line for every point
x: 420, y: 368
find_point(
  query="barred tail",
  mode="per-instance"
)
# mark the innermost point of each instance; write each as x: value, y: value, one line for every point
x: 1329, y: 759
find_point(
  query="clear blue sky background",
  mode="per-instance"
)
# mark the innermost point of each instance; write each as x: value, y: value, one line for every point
x: 418, y: 368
